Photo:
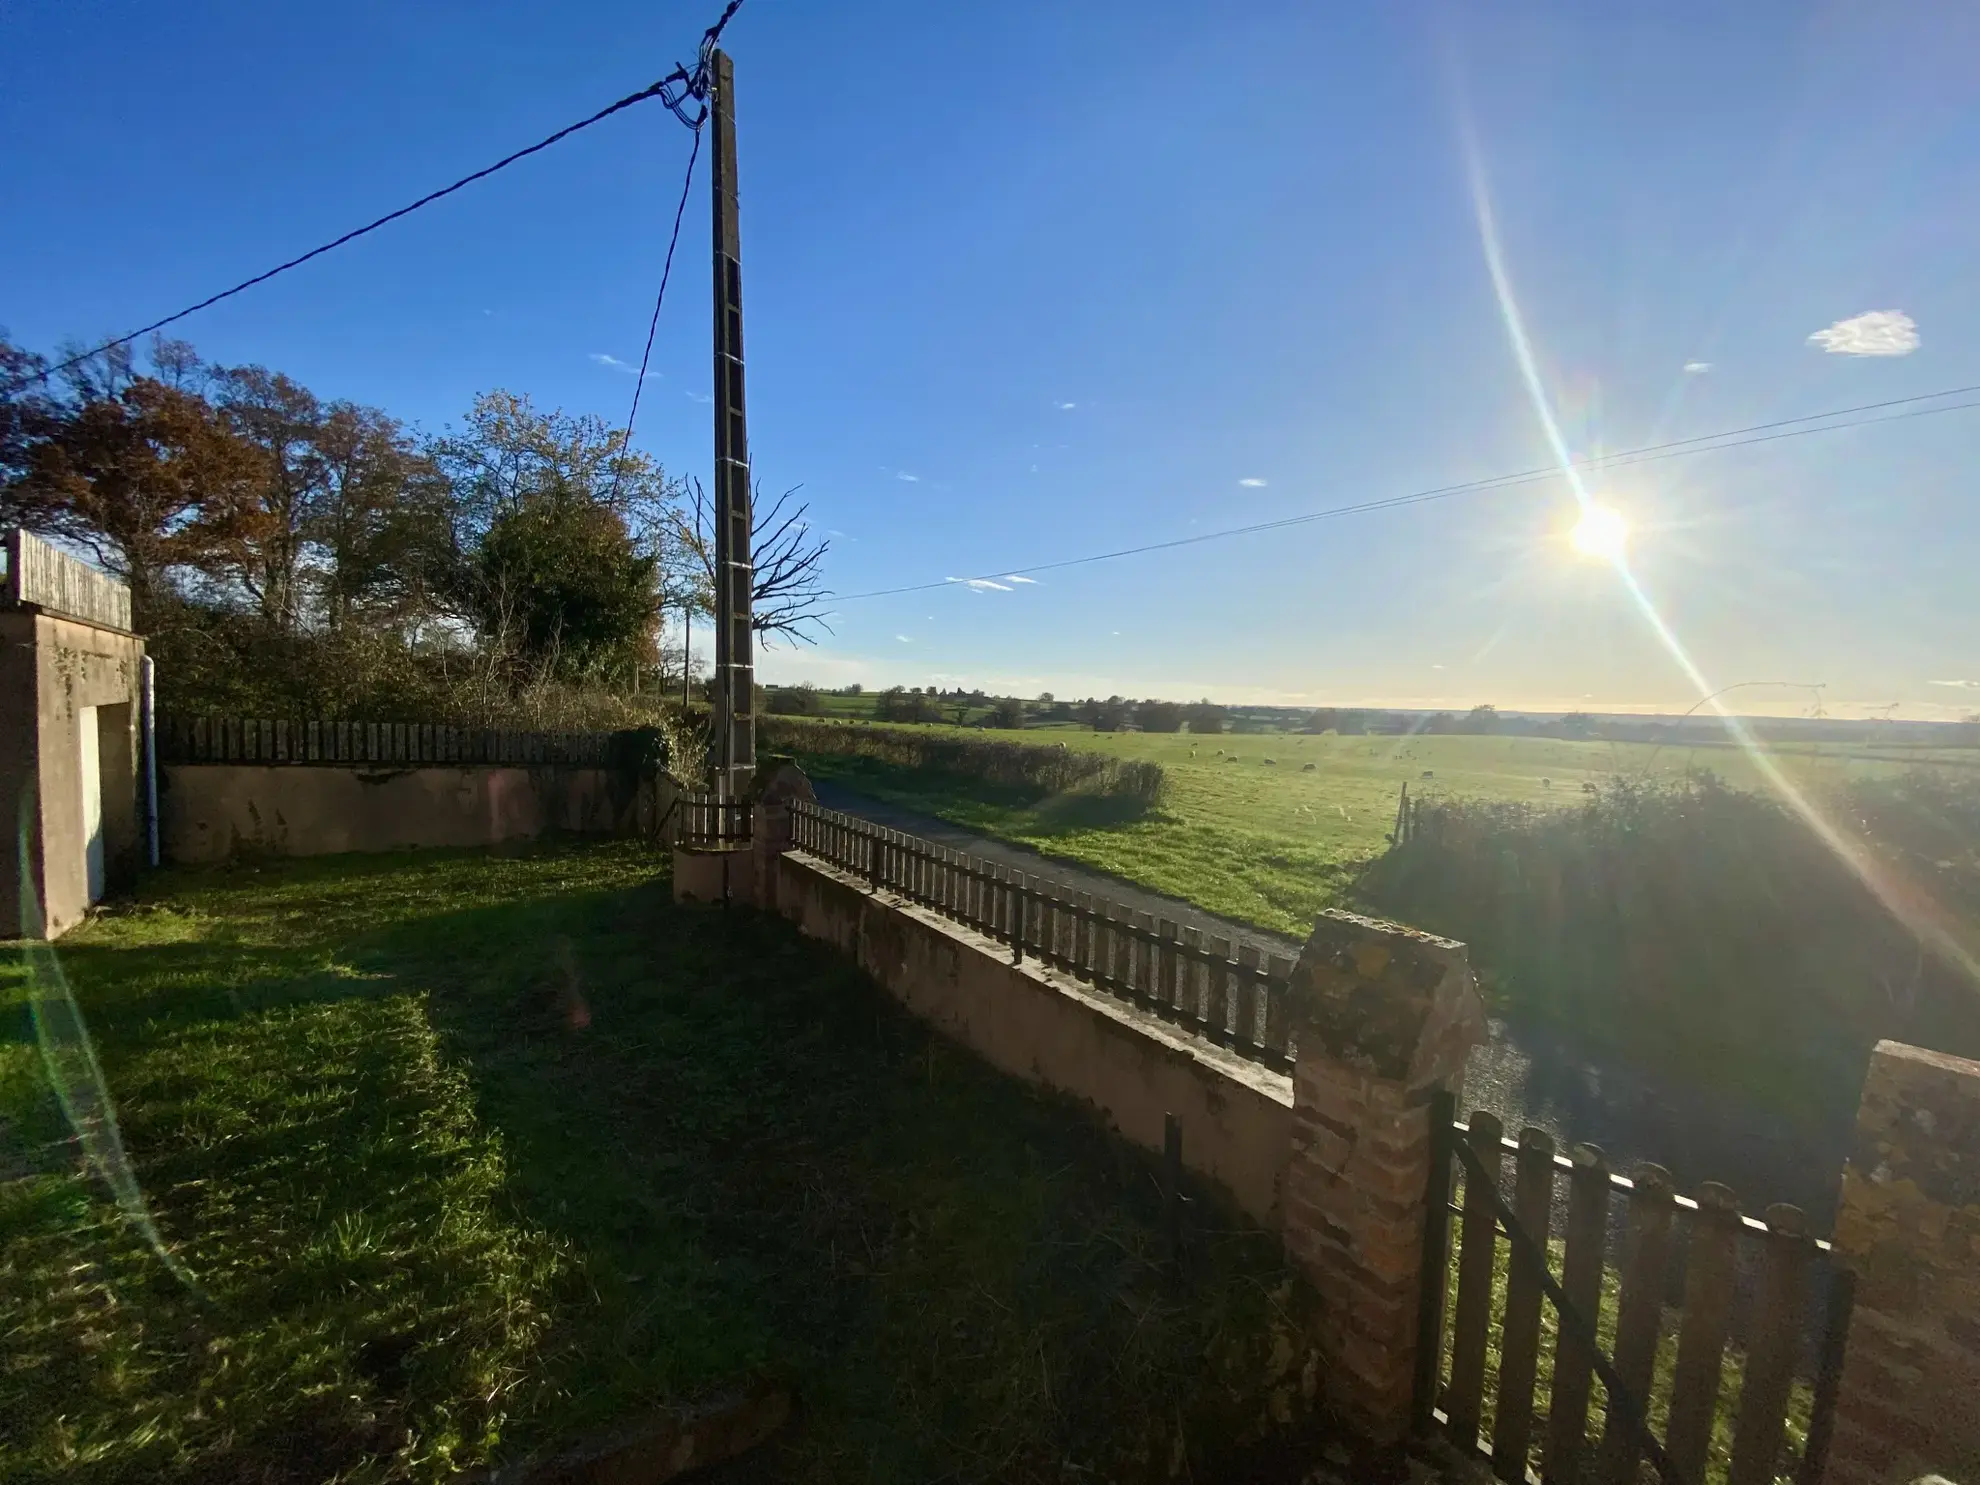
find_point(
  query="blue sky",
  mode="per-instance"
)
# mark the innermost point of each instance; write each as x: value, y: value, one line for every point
x: 1025, y: 281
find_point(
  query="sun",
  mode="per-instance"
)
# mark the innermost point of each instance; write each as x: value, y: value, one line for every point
x: 1601, y: 533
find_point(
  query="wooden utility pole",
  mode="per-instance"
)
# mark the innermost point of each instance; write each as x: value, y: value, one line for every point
x: 735, y: 667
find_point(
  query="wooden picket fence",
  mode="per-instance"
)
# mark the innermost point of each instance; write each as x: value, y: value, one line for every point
x: 183, y: 739
x: 1773, y: 1275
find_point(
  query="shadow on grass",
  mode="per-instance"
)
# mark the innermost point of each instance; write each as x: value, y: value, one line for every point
x: 473, y: 1154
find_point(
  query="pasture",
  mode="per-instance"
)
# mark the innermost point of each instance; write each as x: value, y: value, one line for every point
x: 1271, y: 827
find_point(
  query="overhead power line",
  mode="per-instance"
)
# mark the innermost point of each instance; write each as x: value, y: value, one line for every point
x: 666, y: 272
x: 1704, y: 443
x: 690, y: 84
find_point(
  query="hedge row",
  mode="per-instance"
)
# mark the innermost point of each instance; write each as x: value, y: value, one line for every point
x: 1048, y: 769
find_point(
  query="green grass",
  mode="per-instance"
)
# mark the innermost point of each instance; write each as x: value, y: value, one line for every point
x: 466, y: 1155
x: 1270, y: 843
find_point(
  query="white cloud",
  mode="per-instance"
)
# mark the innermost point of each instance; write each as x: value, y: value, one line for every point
x: 1697, y: 368
x: 615, y: 363
x: 912, y: 479
x: 981, y: 585
x: 1012, y: 577
x: 698, y: 396
x: 1065, y: 406
x: 1436, y: 667
x: 1962, y: 685
x: 904, y: 639
x: 1881, y: 332
x: 1252, y: 484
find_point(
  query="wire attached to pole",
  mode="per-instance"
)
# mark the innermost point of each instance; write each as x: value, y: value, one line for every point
x: 666, y: 272
x: 692, y: 85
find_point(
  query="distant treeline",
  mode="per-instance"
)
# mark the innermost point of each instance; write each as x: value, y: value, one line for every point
x: 1709, y: 930
x: 1044, y: 769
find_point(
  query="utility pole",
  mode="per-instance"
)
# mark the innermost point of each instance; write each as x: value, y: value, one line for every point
x: 735, y: 667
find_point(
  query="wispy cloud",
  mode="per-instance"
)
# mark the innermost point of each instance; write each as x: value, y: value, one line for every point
x: 1881, y: 332
x: 1697, y: 368
x: 981, y: 585
x: 1252, y: 484
x: 1012, y: 577
x: 1962, y: 685
x: 904, y: 639
x: 902, y: 474
x: 603, y: 359
x: 1065, y: 406
x: 699, y: 396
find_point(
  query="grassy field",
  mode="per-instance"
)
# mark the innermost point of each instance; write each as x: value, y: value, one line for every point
x: 1269, y: 828
x: 452, y: 1157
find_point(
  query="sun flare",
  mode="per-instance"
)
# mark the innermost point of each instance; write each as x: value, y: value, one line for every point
x: 1601, y: 533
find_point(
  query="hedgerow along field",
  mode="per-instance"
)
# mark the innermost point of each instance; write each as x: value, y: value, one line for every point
x: 1269, y: 828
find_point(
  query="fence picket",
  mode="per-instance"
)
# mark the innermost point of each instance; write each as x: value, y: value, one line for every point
x: 1217, y: 993
x: 1519, y: 1338
x: 1581, y: 1278
x: 1277, y: 1038
x: 1190, y: 979
x: 1708, y: 1294
x: 1165, y: 969
x: 1771, y: 1351
x: 1478, y: 1237
x: 1639, y: 1314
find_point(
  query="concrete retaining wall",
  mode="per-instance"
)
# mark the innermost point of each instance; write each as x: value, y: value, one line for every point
x: 1039, y: 1024
x: 210, y: 812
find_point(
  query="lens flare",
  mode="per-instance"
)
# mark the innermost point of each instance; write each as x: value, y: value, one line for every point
x: 1601, y: 533
x: 1910, y: 902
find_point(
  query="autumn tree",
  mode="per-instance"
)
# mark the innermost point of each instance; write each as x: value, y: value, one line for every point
x: 146, y: 478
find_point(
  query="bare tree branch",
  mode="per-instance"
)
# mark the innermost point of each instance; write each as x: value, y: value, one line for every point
x: 787, y: 591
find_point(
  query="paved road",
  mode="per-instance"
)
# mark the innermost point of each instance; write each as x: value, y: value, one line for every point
x: 1074, y: 876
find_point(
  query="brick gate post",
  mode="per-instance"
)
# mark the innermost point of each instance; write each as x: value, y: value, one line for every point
x: 1383, y: 1017
x: 1908, y: 1228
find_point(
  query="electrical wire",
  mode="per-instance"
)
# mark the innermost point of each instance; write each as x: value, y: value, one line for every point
x: 1704, y: 443
x: 666, y: 272
x: 693, y: 85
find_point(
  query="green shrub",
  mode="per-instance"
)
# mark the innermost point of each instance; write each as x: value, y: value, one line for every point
x: 1052, y: 769
x: 1706, y: 928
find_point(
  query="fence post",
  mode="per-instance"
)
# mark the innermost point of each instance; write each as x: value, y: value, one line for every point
x: 1908, y: 1231
x: 1383, y: 1017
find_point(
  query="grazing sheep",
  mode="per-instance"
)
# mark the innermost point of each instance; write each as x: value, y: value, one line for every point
x: 1587, y: 788
x: 1231, y: 759
x: 1429, y: 773
x: 1269, y: 762
x: 1308, y: 767
x: 1546, y: 783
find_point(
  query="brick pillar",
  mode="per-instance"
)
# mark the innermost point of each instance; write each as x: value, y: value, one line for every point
x: 1909, y: 1228
x: 770, y: 828
x: 770, y: 837
x: 1383, y: 1016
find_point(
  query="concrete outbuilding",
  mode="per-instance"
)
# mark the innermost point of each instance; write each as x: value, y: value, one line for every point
x: 71, y: 679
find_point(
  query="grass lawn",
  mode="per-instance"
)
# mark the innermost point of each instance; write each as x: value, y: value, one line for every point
x: 459, y: 1156
x: 1247, y: 831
